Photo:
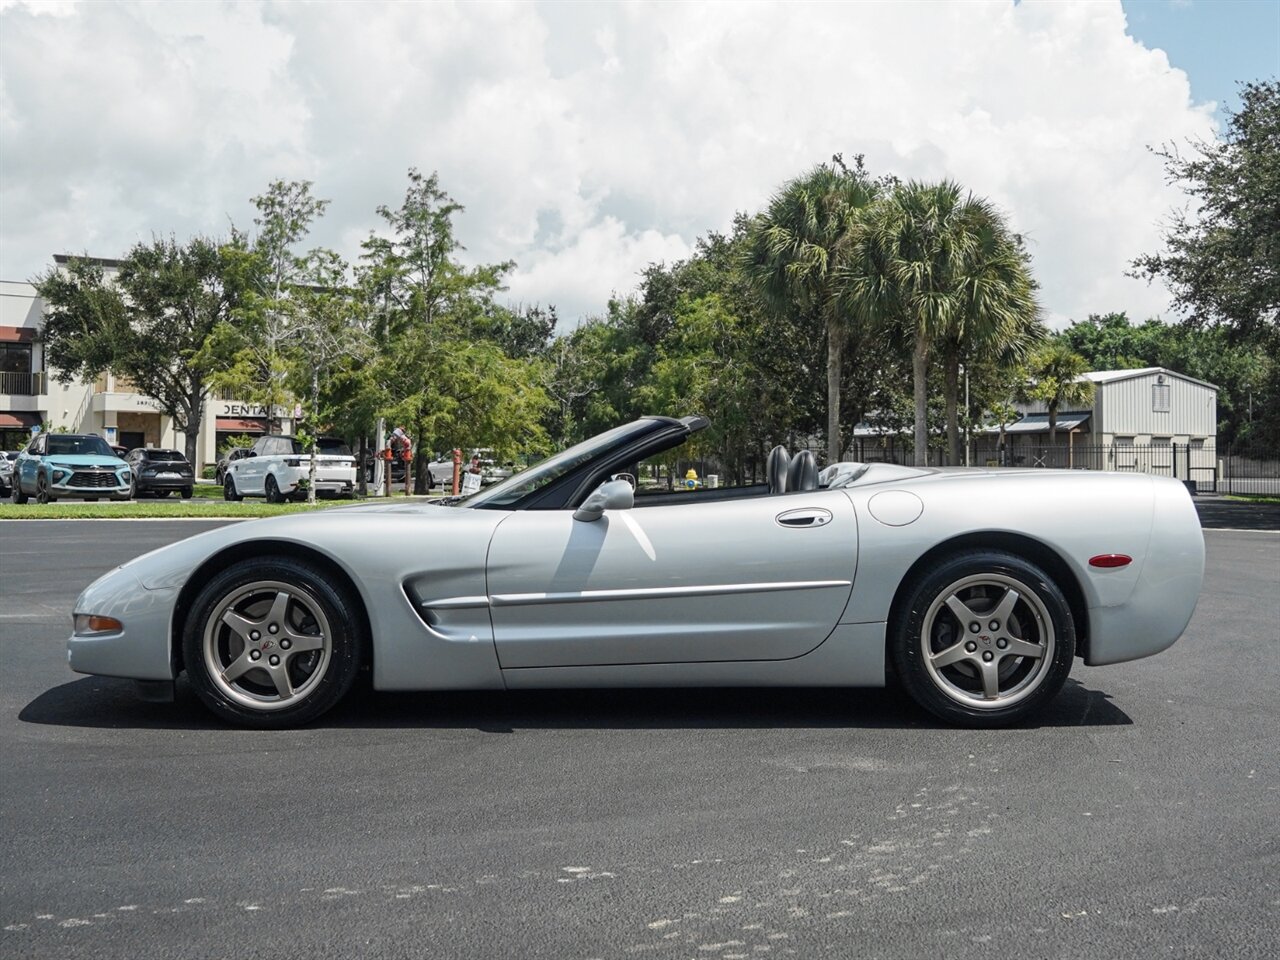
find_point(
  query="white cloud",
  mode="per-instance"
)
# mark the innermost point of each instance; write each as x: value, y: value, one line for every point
x: 584, y: 140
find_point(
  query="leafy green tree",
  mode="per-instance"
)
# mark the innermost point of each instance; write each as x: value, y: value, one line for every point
x: 998, y: 319
x: 1055, y: 373
x: 1222, y: 256
x: 915, y: 266
x: 267, y: 327
x: 153, y: 323
x: 1222, y: 250
x: 450, y: 387
x: 795, y: 254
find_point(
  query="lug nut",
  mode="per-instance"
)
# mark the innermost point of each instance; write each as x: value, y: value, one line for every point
x: 975, y: 627
x: 994, y: 625
x: 987, y: 655
x: 1002, y: 643
x: 274, y: 661
x: 255, y: 654
x: 254, y: 635
x: 971, y: 646
x: 285, y: 644
x: 273, y: 628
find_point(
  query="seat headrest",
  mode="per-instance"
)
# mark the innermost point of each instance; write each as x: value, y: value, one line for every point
x: 776, y: 468
x: 803, y: 472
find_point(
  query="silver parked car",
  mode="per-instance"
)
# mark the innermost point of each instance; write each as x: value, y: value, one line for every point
x: 6, y: 470
x: 979, y: 589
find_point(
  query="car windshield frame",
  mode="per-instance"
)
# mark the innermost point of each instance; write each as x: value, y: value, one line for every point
x: 82, y: 446
x: 520, y: 485
x: 166, y: 456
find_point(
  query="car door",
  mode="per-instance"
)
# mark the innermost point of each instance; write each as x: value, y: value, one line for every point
x: 761, y: 578
x: 252, y: 470
x: 28, y: 464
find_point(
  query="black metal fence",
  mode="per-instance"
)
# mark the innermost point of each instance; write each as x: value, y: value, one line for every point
x: 1230, y: 470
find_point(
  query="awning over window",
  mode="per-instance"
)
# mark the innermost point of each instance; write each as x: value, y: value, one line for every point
x: 234, y: 425
x: 12, y: 418
x: 1039, y: 423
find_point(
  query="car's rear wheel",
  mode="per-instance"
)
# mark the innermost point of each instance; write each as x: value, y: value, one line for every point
x: 229, y: 490
x: 187, y: 492
x: 272, y: 642
x: 15, y: 493
x: 273, y: 491
x: 984, y: 638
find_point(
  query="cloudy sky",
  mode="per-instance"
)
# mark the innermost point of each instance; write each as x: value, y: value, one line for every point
x: 587, y: 140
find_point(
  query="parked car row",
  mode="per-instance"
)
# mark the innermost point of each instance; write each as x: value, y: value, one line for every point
x: 58, y: 465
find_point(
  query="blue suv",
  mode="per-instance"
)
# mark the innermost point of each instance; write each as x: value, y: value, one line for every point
x: 69, y: 465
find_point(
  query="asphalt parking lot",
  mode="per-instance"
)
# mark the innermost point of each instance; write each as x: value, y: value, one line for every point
x: 1138, y: 818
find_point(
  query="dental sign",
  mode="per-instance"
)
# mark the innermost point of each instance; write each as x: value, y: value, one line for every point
x: 232, y: 409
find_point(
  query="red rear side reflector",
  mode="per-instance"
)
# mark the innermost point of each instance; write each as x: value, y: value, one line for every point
x: 1110, y: 560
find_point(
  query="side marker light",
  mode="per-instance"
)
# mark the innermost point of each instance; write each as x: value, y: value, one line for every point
x: 1107, y: 560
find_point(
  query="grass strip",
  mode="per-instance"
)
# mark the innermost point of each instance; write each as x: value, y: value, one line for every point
x: 159, y: 510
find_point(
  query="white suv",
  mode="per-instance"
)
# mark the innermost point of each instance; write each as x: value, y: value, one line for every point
x: 278, y: 468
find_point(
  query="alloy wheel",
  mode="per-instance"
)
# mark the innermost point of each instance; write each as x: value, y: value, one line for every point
x: 267, y: 645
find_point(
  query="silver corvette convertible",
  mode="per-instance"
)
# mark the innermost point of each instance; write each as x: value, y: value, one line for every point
x: 976, y: 589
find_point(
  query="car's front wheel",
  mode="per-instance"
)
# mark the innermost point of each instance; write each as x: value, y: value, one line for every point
x: 984, y: 639
x: 42, y: 489
x: 272, y: 642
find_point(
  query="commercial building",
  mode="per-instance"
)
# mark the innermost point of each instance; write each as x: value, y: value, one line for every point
x: 32, y: 399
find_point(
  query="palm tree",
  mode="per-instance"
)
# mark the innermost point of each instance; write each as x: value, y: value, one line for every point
x: 999, y: 317
x: 794, y: 254
x: 915, y: 251
x: 1056, y: 373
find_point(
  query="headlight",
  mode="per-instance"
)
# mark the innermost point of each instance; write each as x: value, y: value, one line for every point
x: 60, y: 473
x: 92, y: 625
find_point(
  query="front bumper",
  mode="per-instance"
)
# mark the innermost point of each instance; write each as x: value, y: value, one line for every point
x: 141, y: 651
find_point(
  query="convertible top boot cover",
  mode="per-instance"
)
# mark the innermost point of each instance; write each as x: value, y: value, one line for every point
x: 776, y: 468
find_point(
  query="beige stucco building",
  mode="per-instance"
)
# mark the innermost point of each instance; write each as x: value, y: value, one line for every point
x: 32, y: 399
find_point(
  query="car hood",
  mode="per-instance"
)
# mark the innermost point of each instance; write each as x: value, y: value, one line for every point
x: 339, y: 532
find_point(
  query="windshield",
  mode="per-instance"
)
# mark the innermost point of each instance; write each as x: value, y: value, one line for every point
x: 164, y: 455
x: 553, y: 468
x: 61, y: 445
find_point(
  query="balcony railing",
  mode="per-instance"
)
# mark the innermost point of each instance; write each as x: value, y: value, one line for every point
x: 22, y: 384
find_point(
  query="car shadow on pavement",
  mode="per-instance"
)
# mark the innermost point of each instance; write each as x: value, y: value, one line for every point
x: 111, y: 704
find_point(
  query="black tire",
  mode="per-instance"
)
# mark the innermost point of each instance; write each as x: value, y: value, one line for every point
x: 229, y: 492
x: 42, y: 489
x: 15, y: 492
x: 252, y: 589
x: 965, y: 665
x: 273, y: 491
x: 187, y: 492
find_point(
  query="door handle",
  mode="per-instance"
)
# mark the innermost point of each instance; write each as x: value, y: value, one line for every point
x: 804, y: 519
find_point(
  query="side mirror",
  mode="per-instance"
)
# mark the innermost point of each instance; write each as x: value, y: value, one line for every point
x: 613, y: 495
